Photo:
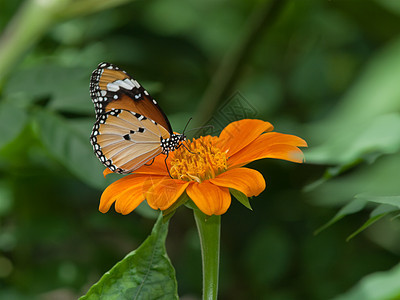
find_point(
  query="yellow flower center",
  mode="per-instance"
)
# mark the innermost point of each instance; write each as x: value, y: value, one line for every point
x: 204, y: 160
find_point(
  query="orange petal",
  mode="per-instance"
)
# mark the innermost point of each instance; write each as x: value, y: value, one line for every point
x: 165, y: 192
x: 128, y: 200
x: 250, y: 182
x: 270, y: 145
x: 272, y: 138
x: 106, y: 172
x: 209, y: 198
x: 127, y: 192
x: 285, y: 152
x: 239, y: 134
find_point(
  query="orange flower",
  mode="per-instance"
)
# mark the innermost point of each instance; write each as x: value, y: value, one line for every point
x: 212, y: 167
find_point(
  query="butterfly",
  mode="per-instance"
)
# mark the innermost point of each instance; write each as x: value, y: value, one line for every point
x: 131, y: 129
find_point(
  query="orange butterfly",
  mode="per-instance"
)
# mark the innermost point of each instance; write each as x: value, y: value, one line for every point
x: 130, y: 129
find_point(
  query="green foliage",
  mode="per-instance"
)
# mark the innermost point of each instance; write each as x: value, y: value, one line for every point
x: 360, y: 123
x: 386, y: 205
x: 326, y: 71
x: 65, y: 87
x: 377, y: 286
x: 12, y: 121
x: 145, y: 273
x: 69, y: 148
x: 168, y: 213
x: 350, y: 208
x: 241, y: 198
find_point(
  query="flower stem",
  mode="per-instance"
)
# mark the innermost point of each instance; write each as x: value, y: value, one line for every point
x: 209, y: 234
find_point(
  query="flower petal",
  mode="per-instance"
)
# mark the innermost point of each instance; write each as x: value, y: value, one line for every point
x: 270, y: 145
x: 127, y: 192
x: 272, y: 138
x: 129, y: 200
x: 209, y: 198
x: 165, y: 192
x: 239, y: 134
x: 250, y: 182
x: 106, y: 172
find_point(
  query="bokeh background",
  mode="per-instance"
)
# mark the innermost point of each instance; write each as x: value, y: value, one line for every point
x: 327, y: 71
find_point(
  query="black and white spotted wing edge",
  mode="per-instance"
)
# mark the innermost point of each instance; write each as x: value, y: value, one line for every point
x: 108, y: 162
x: 97, y: 148
x: 100, y: 97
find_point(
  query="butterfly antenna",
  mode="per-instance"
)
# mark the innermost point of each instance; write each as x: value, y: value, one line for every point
x: 201, y: 127
x: 184, y: 129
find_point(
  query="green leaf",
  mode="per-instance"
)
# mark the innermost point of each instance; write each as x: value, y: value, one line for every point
x: 12, y: 121
x: 352, y: 207
x: 70, y: 148
x: 67, y: 88
x: 329, y: 174
x: 380, y: 135
x: 379, y: 212
x: 383, y: 209
x: 388, y: 205
x: 365, y: 225
x: 241, y: 198
x: 363, y: 121
x: 376, y: 286
x: 145, y: 273
x: 391, y: 200
x: 379, y: 178
x: 190, y: 204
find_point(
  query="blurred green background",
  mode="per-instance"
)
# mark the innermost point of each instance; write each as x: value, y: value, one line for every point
x: 327, y: 71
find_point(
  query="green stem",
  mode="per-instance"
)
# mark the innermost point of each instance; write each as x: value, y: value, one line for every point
x: 209, y: 234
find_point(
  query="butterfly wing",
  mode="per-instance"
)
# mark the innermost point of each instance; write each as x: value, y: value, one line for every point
x: 124, y: 140
x: 112, y: 88
x: 129, y: 123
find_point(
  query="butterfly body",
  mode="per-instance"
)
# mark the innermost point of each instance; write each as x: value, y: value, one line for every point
x: 130, y: 129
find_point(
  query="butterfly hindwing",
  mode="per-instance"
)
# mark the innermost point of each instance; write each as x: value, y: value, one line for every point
x: 124, y: 140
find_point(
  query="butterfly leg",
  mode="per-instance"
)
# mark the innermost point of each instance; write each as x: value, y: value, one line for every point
x: 150, y: 163
x: 165, y: 161
x: 182, y: 144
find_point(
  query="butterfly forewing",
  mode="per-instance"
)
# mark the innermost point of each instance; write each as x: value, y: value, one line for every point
x: 111, y: 87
